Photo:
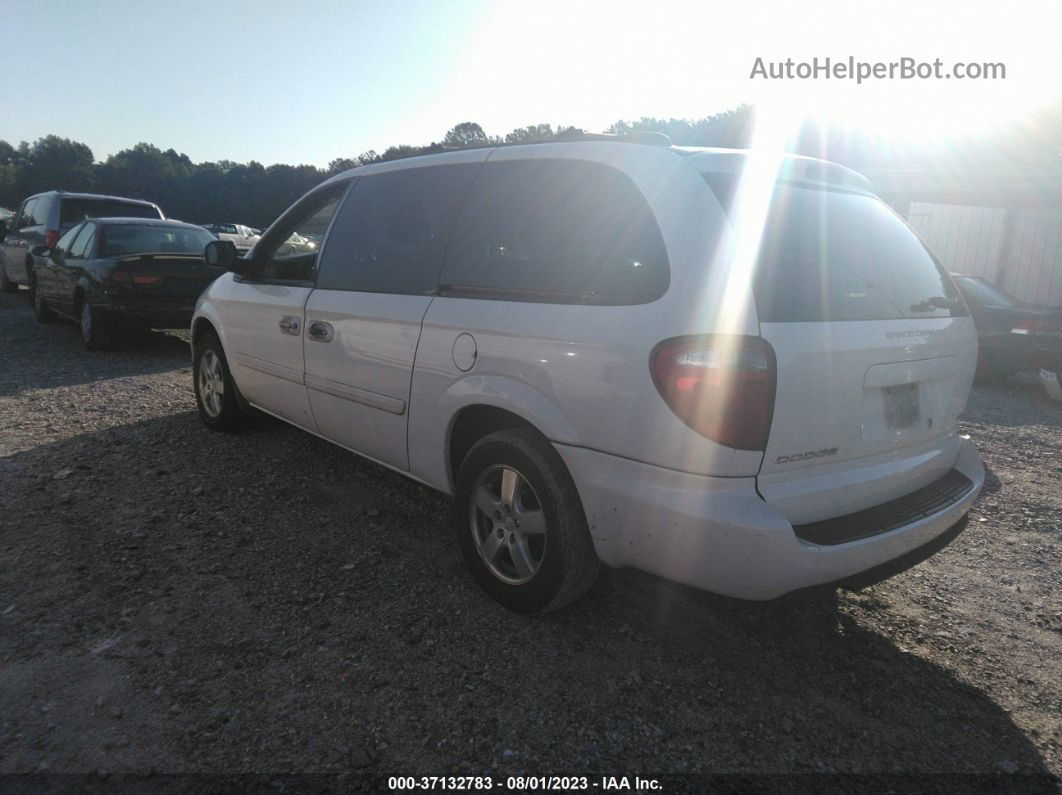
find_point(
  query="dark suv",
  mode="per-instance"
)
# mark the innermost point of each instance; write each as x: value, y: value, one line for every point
x: 42, y: 218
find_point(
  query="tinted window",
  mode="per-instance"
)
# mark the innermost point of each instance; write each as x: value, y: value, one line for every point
x: 133, y: 239
x: 83, y: 244
x: 985, y: 294
x: 40, y: 211
x: 74, y: 210
x: 227, y: 229
x: 290, y: 251
x: 66, y: 240
x: 26, y: 219
x: 831, y: 255
x: 391, y: 233
x: 556, y: 230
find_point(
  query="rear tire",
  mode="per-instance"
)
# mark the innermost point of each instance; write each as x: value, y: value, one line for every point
x: 520, y: 524
x: 6, y: 285
x: 40, y: 308
x: 215, y: 390
x: 95, y: 335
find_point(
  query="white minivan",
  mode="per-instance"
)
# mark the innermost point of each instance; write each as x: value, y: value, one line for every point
x: 736, y: 370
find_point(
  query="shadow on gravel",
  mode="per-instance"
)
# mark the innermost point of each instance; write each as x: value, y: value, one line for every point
x: 193, y: 601
x: 42, y: 356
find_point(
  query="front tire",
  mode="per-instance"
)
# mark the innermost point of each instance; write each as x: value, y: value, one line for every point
x: 215, y: 390
x: 520, y: 524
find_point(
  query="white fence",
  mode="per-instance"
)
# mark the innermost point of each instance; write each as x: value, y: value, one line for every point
x: 1020, y: 249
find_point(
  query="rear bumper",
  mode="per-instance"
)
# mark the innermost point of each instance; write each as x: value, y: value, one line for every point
x: 719, y: 535
x: 166, y: 314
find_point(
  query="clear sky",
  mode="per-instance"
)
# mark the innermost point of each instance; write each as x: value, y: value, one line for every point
x: 306, y: 81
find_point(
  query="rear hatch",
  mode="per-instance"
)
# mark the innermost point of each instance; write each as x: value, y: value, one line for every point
x: 875, y: 353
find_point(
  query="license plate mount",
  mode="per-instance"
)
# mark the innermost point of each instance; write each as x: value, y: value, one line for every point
x: 901, y: 406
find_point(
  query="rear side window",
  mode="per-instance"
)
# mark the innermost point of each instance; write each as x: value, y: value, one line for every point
x: 75, y: 210
x: 828, y: 255
x: 560, y: 231
x: 392, y: 230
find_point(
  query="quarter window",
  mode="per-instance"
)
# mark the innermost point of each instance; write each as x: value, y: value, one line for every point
x: 82, y: 246
x: 66, y: 240
x: 391, y: 233
x: 562, y: 231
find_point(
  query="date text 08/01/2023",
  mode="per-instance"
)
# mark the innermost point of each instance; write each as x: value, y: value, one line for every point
x: 524, y: 783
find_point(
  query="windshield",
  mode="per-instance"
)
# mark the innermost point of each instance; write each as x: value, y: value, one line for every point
x: 829, y: 255
x: 133, y: 239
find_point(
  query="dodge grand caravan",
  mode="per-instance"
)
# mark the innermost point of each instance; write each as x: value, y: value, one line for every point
x: 738, y: 371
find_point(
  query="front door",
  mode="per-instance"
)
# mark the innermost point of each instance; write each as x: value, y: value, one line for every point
x: 263, y: 311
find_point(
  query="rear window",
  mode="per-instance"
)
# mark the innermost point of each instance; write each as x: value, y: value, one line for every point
x: 986, y: 294
x: 76, y: 210
x: 131, y: 239
x: 831, y: 255
x: 556, y: 231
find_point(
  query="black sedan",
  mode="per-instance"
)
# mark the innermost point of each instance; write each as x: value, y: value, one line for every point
x: 110, y: 273
x: 1014, y: 337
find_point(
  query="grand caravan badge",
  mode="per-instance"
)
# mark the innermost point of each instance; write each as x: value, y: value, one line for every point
x: 910, y: 332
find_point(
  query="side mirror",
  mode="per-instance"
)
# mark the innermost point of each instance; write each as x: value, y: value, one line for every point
x: 41, y: 251
x: 222, y: 254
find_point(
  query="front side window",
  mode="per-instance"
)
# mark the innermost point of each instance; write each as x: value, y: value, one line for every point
x: 561, y: 231
x: 392, y: 231
x: 289, y: 254
x: 25, y: 219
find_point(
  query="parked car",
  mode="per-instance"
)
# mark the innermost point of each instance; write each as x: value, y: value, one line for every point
x: 243, y: 237
x: 1014, y: 336
x: 44, y: 217
x: 112, y: 273
x: 579, y: 342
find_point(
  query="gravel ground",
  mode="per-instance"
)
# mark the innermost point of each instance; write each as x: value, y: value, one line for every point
x: 173, y: 599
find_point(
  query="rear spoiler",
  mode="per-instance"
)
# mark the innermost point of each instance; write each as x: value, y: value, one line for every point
x: 790, y: 168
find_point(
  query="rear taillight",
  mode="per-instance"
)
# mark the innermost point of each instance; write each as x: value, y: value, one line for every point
x: 51, y: 237
x: 720, y: 385
x: 1030, y: 327
x: 121, y: 275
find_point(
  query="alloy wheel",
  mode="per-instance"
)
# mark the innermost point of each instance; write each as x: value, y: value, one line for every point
x: 211, y: 383
x: 508, y: 524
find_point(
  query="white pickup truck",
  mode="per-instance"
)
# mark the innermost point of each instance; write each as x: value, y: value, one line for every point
x: 243, y: 237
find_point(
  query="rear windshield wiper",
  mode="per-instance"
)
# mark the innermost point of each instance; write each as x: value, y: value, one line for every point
x: 936, y: 302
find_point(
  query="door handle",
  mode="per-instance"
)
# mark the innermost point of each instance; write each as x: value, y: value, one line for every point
x: 290, y: 325
x: 320, y: 331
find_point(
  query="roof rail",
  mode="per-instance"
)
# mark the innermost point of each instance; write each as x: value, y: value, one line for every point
x: 649, y: 138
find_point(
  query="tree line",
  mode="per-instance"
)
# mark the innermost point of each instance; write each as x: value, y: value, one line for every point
x: 254, y: 194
